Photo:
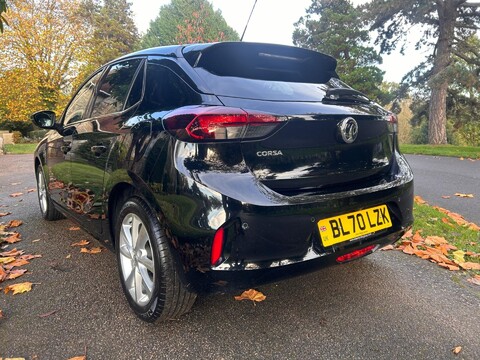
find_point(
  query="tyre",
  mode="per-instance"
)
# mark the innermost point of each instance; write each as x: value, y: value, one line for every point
x: 148, y: 274
x: 48, y: 210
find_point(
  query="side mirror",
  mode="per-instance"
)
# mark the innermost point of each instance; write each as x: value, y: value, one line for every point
x: 45, y: 120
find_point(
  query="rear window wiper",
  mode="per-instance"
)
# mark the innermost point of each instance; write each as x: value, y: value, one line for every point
x: 345, y: 95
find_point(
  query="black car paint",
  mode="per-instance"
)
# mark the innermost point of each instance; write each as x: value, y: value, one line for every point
x: 196, y: 187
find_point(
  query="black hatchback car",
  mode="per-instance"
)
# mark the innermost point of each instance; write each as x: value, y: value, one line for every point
x: 216, y: 166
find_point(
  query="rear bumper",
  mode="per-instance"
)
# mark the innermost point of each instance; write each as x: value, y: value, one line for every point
x: 272, y: 236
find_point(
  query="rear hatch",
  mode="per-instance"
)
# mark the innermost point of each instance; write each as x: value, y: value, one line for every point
x: 328, y: 135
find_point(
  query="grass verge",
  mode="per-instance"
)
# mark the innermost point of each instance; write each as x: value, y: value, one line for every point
x: 19, y: 148
x: 471, y: 152
x: 443, y: 237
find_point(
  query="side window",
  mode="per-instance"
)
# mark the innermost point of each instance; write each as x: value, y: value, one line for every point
x: 78, y: 106
x: 114, y: 88
x: 165, y: 90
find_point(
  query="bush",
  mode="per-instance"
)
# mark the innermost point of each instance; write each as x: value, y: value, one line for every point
x: 22, y: 126
x: 36, y: 135
x: 17, y: 137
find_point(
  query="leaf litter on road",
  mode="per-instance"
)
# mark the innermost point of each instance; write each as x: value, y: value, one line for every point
x: 251, y: 294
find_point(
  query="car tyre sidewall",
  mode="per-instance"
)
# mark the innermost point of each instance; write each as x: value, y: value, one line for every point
x: 51, y: 213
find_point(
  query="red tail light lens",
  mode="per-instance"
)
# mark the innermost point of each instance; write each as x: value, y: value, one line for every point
x: 393, y: 122
x: 217, y: 123
x: 356, y: 254
x: 217, y: 247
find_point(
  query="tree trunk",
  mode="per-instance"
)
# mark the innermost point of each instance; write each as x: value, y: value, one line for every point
x: 437, y: 122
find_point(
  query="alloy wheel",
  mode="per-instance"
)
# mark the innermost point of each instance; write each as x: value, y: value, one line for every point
x: 136, y: 259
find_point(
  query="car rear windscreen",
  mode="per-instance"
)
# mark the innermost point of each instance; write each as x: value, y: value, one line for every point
x: 263, y: 71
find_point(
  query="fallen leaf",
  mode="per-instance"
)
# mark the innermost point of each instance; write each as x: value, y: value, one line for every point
x: 78, y: 358
x: 446, y: 196
x: 47, y: 314
x: 31, y: 190
x: 462, y: 158
x: 423, y: 254
x: 435, y: 240
x: 19, y: 288
x: 417, y: 238
x: 74, y: 228
x: 6, y: 260
x: 446, y: 221
x: 449, y: 267
x: 81, y: 243
x: 388, y: 247
x: 36, y: 240
x: 16, y: 194
x: 3, y: 274
x: 251, y: 294
x: 68, y: 256
x: 16, y: 263
x: 409, y: 250
x: 474, y: 227
x: 475, y: 280
x: 408, y: 234
x: 456, y: 350
x: 14, y: 223
x: 15, y: 183
x: 469, y: 265
x: 2, y: 315
x: 12, y: 239
x: 29, y: 257
x: 13, y: 274
x: 13, y: 252
x: 463, y: 195
x: 418, y: 199
x: 4, y: 214
x: 445, y: 248
x: 94, y: 250
x: 459, y: 256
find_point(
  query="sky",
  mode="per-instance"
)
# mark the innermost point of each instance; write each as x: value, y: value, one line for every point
x: 272, y: 21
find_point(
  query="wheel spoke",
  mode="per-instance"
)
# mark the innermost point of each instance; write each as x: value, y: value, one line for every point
x: 142, y: 239
x: 130, y: 279
x: 138, y: 286
x: 126, y: 234
x: 126, y: 250
x: 147, y: 263
x: 136, y: 224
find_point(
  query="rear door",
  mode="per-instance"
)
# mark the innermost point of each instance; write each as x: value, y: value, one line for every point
x: 117, y: 92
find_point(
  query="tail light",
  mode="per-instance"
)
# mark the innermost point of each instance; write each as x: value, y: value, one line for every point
x: 393, y: 122
x: 356, y: 254
x: 219, y: 123
x: 217, y: 247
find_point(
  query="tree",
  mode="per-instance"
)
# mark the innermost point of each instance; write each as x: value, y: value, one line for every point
x: 39, y: 50
x: 332, y: 27
x: 188, y: 21
x: 3, y: 9
x: 446, y: 26
x: 112, y: 30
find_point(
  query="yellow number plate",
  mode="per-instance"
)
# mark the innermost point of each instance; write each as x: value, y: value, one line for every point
x: 346, y: 227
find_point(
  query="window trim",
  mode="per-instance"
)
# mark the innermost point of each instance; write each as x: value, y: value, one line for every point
x: 89, y: 105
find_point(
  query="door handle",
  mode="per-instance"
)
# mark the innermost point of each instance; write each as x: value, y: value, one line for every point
x: 98, y: 149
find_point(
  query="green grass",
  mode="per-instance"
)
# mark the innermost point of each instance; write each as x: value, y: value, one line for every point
x: 20, y: 148
x: 471, y: 152
x: 429, y: 222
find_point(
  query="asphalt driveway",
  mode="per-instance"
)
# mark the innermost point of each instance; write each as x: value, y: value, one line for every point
x: 386, y: 306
